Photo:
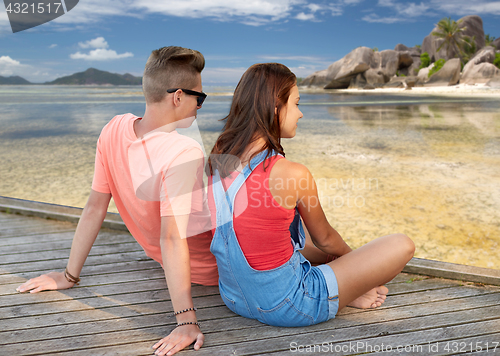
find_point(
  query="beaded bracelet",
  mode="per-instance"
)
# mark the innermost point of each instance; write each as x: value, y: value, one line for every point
x: 70, y: 278
x: 185, y: 310
x: 189, y: 323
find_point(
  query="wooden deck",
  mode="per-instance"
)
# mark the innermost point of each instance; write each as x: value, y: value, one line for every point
x: 122, y: 307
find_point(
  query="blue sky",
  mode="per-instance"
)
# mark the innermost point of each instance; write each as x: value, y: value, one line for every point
x: 306, y: 35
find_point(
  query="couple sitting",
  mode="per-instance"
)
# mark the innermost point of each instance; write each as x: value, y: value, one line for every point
x: 268, y: 267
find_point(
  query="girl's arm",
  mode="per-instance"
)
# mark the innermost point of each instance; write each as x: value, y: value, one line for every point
x: 293, y: 185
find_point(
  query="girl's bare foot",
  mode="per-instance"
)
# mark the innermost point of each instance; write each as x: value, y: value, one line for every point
x: 371, y: 299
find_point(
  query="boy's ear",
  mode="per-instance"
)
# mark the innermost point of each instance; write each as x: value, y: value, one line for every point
x: 177, y: 97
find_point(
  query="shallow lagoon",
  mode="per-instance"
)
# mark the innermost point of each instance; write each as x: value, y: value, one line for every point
x: 427, y: 166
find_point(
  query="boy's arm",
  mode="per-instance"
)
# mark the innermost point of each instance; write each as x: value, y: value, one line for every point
x: 86, y: 232
x: 175, y: 256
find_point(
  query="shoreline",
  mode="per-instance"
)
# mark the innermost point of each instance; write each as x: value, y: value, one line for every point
x: 460, y: 90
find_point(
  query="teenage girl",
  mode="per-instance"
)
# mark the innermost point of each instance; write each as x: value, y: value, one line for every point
x: 258, y: 200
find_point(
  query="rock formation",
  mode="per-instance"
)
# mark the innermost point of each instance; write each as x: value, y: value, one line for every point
x: 474, y: 27
x: 415, y: 55
x: 369, y: 69
x: 448, y: 75
x: 475, y: 72
x: 481, y: 73
x: 377, y: 69
x: 496, y: 44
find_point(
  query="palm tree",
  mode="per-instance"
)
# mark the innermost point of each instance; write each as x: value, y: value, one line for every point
x: 469, y: 49
x: 452, y: 34
x: 489, y: 40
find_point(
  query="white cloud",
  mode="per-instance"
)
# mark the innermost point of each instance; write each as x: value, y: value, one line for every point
x: 7, y: 61
x: 249, y: 12
x: 407, y: 11
x: 302, y: 16
x: 373, y: 18
x: 404, y: 11
x: 100, y: 54
x: 53, y: 45
x: 98, y: 42
x: 467, y: 7
x: 223, y: 10
x: 9, y: 67
x: 314, y: 7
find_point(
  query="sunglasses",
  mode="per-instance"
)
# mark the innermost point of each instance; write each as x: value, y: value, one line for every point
x: 200, y: 96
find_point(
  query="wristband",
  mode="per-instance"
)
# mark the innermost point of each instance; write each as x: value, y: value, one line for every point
x: 70, y: 278
x: 185, y: 310
x: 189, y: 323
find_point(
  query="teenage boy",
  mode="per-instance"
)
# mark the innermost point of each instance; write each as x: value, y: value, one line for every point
x: 129, y: 152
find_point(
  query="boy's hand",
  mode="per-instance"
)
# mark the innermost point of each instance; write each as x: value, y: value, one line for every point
x: 49, y: 281
x: 178, y: 339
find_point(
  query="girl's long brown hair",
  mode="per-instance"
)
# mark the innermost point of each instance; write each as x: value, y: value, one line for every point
x: 263, y: 89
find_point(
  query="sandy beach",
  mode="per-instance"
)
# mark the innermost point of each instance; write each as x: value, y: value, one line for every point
x: 460, y: 90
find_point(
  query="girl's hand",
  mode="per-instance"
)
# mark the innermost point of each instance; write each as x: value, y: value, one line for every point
x: 178, y: 339
x: 49, y: 281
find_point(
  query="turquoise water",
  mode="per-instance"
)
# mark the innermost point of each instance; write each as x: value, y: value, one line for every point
x: 427, y: 166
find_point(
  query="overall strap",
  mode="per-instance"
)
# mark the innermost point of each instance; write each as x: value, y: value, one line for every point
x: 230, y: 194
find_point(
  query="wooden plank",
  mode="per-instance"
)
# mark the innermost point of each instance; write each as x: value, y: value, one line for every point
x: 115, y: 312
x: 453, y: 347
x: 140, y: 335
x: 256, y: 343
x: 89, y: 271
x: 35, y: 230
x: 216, y: 336
x: 58, y: 241
x: 122, y: 324
x: 126, y: 292
x: 54, y: 211
x: 453, y: 271
x: 60, y: 264
x: 40, y: 238
x: 27, y: 257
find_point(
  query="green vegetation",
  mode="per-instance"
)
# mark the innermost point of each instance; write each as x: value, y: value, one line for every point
x: 497, y: 60
x: 452, y: 34
x: 489, y: 39
x: 469, y: 49
x: 425, y: 60
x: 437, y: 66
x: 375, y: 49
x: 418, y: 46
x: 299, y: 80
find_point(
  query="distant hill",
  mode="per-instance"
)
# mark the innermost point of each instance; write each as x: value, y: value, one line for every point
x: 13, y: 80
x: 98, y: 77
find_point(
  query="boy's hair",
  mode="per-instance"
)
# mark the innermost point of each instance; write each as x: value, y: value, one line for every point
x: 168, y: 68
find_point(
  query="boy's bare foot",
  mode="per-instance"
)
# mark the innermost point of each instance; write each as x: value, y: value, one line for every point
x: 371, y: 299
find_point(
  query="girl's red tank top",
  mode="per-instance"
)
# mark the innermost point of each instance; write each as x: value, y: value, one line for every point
x: 260, y: 223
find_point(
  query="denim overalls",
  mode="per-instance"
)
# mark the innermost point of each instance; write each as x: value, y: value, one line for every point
x: 293, y: 294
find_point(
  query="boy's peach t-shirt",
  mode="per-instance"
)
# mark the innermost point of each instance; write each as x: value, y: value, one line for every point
x: 157, y: 175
